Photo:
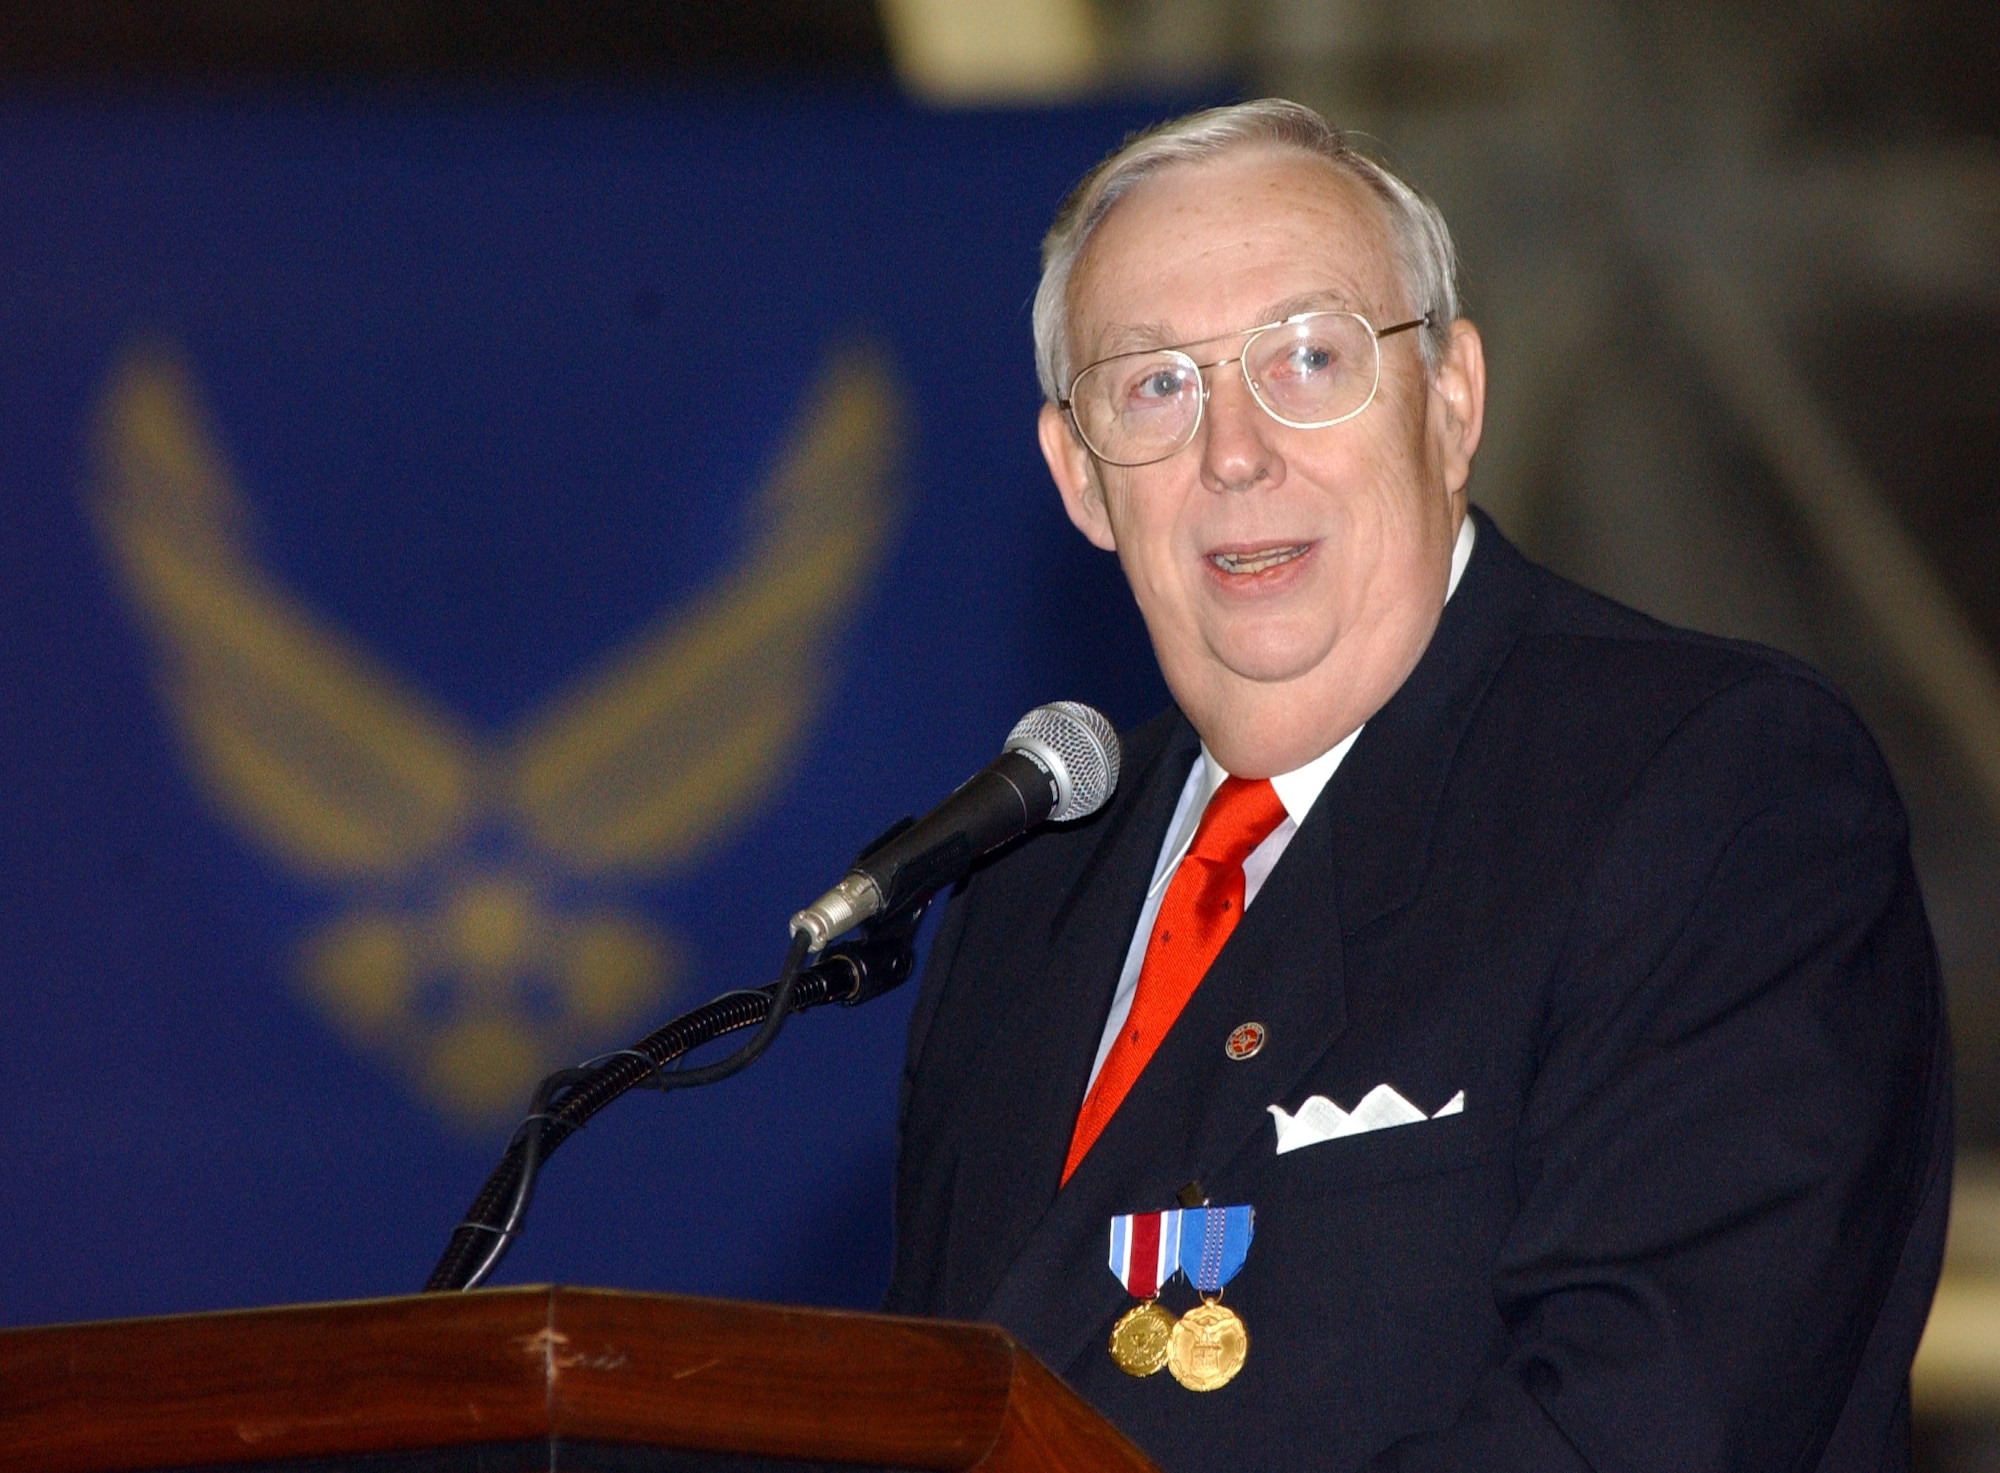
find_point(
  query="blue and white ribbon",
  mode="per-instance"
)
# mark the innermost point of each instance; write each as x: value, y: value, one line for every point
x: 1213, y: 1244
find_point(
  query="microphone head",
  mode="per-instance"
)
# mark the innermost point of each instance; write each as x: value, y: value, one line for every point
x: 1078, y: 747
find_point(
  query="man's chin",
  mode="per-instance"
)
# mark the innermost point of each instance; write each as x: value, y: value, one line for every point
x: 1266, y: 662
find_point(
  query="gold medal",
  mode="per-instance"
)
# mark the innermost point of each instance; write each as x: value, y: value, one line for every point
x: 1208, y: 1346
x: 1139, y: 1339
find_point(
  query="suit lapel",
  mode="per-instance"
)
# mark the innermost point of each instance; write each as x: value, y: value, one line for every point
x: 1383, y: 802
x: 1035, y: 1069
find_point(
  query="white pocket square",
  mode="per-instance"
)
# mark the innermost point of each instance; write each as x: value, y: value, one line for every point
x: 1320, y: 1119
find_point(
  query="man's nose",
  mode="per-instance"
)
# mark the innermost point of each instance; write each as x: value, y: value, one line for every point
x: 1237, y: 450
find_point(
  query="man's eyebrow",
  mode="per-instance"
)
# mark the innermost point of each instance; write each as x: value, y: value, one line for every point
x: 1317, y: 301
x: 1135, y: 337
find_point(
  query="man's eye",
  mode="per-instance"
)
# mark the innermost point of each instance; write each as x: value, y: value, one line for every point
x: 1309, y: 360
x: 1156, y: 386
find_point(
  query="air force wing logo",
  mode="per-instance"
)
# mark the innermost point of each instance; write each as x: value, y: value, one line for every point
x: 481, y: 936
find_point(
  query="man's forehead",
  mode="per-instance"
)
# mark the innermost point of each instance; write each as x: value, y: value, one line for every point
x: 1297, y: 232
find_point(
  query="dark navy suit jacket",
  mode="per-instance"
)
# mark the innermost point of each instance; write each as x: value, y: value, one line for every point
x: 1646, y: 898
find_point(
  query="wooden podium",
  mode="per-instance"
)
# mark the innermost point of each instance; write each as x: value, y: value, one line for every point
x: 540, y: 1378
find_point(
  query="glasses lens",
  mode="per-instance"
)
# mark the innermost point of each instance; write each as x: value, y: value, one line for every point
x: 1138, y: 408
x: 1315, y: 370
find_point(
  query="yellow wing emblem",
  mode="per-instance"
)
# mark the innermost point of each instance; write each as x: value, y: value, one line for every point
x: 323, y: 757
x: 645, y: 763
x: 481, y: 935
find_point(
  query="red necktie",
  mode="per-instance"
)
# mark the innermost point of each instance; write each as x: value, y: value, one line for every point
x: 1196, y: 916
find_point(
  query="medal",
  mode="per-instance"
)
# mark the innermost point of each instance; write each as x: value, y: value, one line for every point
x: 1209, y: 1343
x: 1139, y: 1339
x: 1208, y: 1346
x: 1145, y: 1253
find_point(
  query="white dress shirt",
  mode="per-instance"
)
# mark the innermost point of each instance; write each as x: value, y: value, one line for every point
x: 1298, y: 790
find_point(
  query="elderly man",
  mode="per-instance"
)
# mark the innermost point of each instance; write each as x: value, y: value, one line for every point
x: 1487, y: 1029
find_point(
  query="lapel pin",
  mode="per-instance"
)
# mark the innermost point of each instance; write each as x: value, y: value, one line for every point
x: 1245, y: 1042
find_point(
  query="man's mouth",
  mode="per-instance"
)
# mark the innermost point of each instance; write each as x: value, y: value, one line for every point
x: 1263, y: 559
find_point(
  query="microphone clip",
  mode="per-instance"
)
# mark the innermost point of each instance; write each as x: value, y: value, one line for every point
x: 879, y: 959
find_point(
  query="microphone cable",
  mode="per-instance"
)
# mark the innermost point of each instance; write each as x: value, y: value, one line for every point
x: 566, y: 1099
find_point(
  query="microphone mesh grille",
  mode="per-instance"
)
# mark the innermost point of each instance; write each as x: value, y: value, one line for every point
x: 1083, y: 744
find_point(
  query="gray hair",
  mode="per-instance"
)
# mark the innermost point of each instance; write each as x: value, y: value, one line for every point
x: 1423, y: 243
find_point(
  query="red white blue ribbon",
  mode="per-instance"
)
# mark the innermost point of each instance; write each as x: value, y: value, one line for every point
x: 1145, y: 1250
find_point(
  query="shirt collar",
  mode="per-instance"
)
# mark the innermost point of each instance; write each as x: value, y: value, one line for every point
x: 1461, y: 554
x: 1300, y: 788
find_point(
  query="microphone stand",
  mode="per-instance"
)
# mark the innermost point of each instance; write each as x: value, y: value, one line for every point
x: 854, y: 972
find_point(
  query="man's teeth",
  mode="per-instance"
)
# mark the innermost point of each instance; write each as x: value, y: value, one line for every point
x: 1254, y: 562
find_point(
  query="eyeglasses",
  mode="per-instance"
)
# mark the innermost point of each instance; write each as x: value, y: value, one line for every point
x: 1311, y: 370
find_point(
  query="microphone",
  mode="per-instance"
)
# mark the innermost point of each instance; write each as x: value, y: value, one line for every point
x: 1060, y: 762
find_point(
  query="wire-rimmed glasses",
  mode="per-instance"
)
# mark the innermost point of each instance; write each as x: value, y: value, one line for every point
x: 1311, y: 370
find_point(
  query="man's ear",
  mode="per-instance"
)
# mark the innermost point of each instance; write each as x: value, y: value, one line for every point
x: 1458, y: 404
x: 1075, y: 477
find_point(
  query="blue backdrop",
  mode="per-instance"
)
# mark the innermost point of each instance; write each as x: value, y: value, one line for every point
x: 471, y: 568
